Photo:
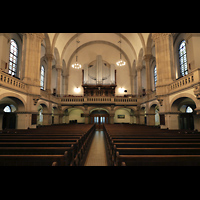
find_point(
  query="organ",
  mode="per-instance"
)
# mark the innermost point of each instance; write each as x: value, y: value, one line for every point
x: 99, y: 78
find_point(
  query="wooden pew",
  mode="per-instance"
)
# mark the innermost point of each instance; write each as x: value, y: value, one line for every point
x: 48, y: 143
x: 33, y: 160
x: 154, y: 151
x: 128, y: 140
x: 157, y: 160
x: 40, y: 151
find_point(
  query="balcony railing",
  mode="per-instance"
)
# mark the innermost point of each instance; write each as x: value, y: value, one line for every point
x: 186, y: 81
x: 98, y: 100
x: 12, y: 82
x: 182, y: 82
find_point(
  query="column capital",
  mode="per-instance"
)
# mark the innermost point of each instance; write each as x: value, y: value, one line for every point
x: 139, y: 67
x: 39, y: 36
x: 58, y: 67
x: 147, y: 57
x: 49, y: 57
x: 157, y: 36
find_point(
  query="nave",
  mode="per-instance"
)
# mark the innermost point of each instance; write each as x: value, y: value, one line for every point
x: 84, y: 145
x: 97, y: 152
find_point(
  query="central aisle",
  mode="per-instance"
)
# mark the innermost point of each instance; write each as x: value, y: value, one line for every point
x: 97, y: 152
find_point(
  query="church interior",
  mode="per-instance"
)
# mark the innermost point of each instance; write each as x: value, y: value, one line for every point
x: 100, y: 88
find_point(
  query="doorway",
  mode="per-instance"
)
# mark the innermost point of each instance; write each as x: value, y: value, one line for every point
x: 9, y: 121
x: 99, y: 117
x: 186, y: 121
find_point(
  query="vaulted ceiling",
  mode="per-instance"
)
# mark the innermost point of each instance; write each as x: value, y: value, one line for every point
x: 93, y: 44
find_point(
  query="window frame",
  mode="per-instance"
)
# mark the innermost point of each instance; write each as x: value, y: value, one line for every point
x: 12, y: 68
x: 42, y: 76
x: 183, y: 64
x: 155, y: 76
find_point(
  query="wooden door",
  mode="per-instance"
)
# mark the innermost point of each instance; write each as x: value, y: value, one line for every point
x: 99, y: 120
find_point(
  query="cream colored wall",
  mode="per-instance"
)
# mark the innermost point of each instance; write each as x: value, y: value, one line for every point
x: 89, y: 54
x: 75, y: 114
x: 122, y: 112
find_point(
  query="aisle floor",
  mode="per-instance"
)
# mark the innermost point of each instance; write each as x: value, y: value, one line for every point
x: 97, y: 152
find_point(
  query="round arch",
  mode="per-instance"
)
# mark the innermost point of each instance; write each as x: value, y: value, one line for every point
x: 174, y: 102
x: 101, y: 108
x: 98, y: 42
x: 16, y: 98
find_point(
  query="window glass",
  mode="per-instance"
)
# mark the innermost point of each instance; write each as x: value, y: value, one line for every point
x: 183, y: 58
x: 42, y: 77
x: 13, y: 57
x: 155, y: 76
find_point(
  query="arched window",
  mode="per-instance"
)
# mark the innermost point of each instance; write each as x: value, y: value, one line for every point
x: 7, y: 109
x: 155, y: 76
x: 13, y: 57
x: 189, y: 110
x: 42, y: 77
x: 183, y: 58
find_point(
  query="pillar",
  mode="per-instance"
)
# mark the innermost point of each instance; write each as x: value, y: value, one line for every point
x: 147, y: 58
x: 139, y: 80
x: 111, y: 116
x: 47, y: 118
x: 59, y: 70
x: 172, y: 120
x: 4, y: 51
x: 49, y: 72
x: 164, y: 60
x: 31, y: 50
x: 66, y: 84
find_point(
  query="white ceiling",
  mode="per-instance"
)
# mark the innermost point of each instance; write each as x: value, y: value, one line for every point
x: 93, y: 44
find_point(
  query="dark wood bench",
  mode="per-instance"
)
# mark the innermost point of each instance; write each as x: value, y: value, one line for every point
x: 157, y: 160
x: 40, y: 151
x: 33, y: 160
x: 154, y: 151
x: 49, y: 143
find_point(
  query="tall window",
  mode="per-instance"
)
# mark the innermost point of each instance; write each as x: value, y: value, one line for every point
x: 13, y: 57
x: 183, y: 58
x: 42, y: 77
x: 155, y: 76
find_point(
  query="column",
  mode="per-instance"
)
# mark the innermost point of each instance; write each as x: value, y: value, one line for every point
x: 147, y: 58
x: 164, y: 60
x: 192, y: 45
x: 59, y: 70
x: 47, y: 118
x: 31, y: 50
x: 172, y: 120
x: 4, y: 51
x: 49, y: 72
x: 111, y: 116
x: 133, y: 81
x: 66, y: 84
x: 139, y: 80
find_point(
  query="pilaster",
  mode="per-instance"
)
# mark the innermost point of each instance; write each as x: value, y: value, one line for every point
x: 59, y: 70
x: 49, y: 72
x: 147, y: 58
x: 31, y: 50
x: 164, y: 61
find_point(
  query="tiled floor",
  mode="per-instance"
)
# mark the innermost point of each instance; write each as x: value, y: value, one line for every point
x: 97, y: 152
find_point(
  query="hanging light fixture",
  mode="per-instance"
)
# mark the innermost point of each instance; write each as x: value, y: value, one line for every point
x: 120, y: 62
x: 76, y: 65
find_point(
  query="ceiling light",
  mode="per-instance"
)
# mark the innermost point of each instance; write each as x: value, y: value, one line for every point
x: 77, y: 89
x: 120, y: 62
x: 76, y: 65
